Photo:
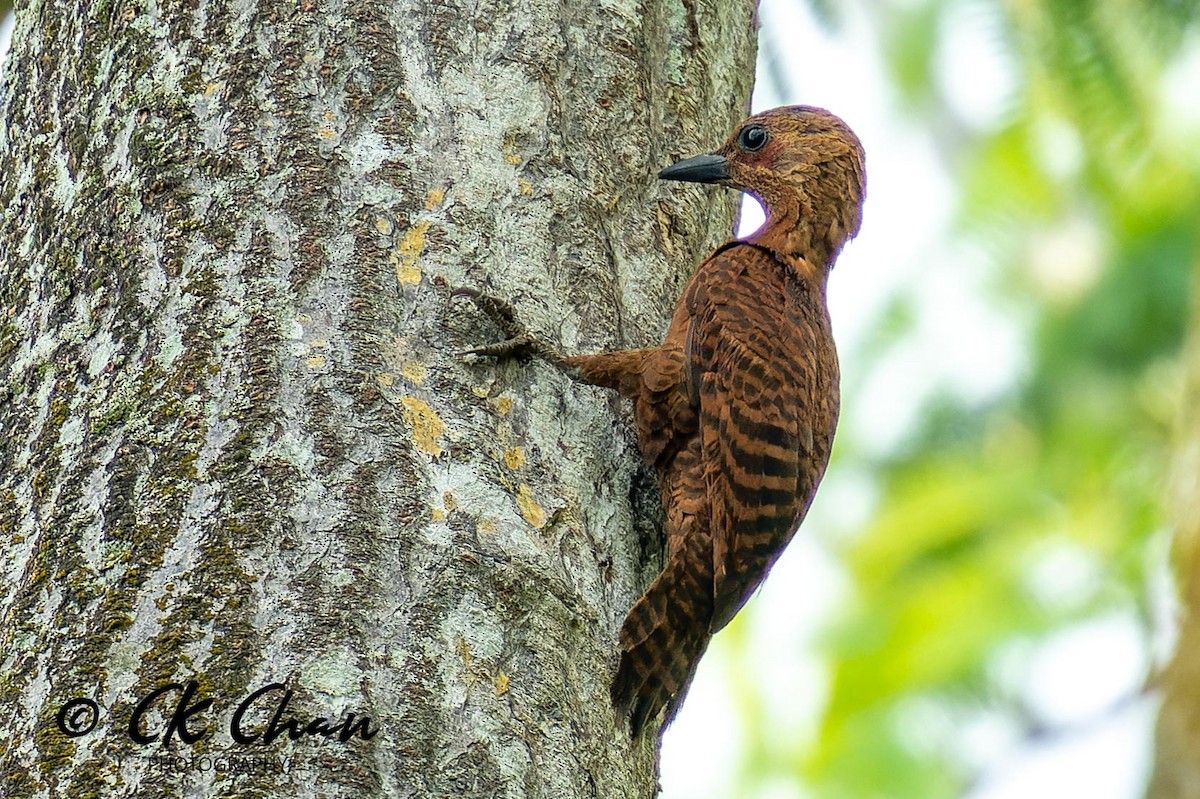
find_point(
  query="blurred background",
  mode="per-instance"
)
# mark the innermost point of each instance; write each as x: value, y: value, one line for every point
x: 981, y: 597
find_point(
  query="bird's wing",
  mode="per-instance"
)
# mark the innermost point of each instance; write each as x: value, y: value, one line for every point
x: 664, y: 413
x: 756, y: 365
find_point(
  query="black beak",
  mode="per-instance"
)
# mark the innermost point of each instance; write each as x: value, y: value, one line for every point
x: 699, y: 169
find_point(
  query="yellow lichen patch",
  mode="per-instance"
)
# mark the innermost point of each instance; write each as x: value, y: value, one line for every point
x: 665, y: 224
x: 434, y: 199
x: 524, y: 186
x: 479, y: 391
x: 408, y: 273
x: 315, y: 361
x: 426, y: 425
x: 384, y: 225
x: 514, y: 457
x: 464, y: 651
x: 487, y: 525
x: 415, y: 373
x: 386, y: 379
x: 438, y: 514
x: 212, y: 89
x: 512, y: 158
x: 504, y: 404
x: 530, y: 510
x: 405, y: 256
x: 501, y: 684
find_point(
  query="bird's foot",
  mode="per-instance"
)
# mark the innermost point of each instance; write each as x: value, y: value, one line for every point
x: 518, y: 341
x: 509, y: 348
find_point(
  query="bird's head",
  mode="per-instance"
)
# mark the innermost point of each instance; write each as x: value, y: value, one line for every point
x: 804, y: 165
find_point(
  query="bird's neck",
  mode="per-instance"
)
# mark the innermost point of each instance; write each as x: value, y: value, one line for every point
x: 799, y: 239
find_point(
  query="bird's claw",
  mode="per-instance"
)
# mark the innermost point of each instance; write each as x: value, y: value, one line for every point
x: 510, y: 347
x: 518, y: 340
x: 497, y: 309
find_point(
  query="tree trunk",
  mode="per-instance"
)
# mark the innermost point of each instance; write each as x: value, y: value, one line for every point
x: 1176, y: 773
x: 242, y: 457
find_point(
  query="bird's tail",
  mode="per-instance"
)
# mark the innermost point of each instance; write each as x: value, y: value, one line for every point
x: 662, y: 640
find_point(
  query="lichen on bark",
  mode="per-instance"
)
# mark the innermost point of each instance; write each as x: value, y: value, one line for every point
x: 241, y: 448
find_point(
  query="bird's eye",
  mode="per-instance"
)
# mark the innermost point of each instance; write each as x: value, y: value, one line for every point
x: 752, y: 138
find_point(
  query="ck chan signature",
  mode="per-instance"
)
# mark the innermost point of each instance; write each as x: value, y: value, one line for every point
x: 258, y: 719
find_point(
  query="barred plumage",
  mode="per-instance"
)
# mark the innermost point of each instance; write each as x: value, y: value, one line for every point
x: 736, y: 409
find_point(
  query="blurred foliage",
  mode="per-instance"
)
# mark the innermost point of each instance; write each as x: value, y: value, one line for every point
x: 1085, y: 194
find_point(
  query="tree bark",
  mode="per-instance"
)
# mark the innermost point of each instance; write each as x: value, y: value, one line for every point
x: 1176, y: 772
x: 240, y: 448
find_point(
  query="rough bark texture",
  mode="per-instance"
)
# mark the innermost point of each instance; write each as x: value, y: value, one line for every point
x: 239, y: 446
x: 1176, y: 773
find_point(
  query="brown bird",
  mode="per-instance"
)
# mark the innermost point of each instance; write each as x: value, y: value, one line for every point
x: 736, y: 409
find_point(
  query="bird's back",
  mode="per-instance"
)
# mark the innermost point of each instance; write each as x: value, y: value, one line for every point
x: 768, y: 397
